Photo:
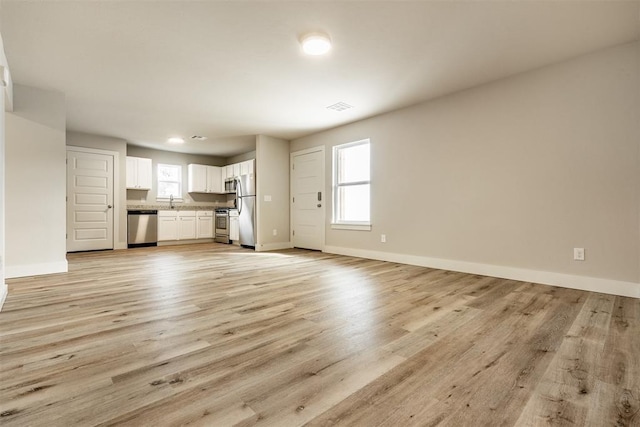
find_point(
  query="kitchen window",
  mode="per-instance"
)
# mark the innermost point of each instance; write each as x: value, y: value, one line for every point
x: 169, y: 181
x: 352, y: 186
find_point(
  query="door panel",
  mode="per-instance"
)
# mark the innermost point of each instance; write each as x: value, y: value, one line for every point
x: 89, y: 201
x: 84, y: 163
x: 90, y: 234
x: 307, y: 184
x: 91, y: 181
x: 91, y: 216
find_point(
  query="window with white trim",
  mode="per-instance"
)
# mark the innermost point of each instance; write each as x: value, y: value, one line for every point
x: 169, y: 181
x: 352, y: 185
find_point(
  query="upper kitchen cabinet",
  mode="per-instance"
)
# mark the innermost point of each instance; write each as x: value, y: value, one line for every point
x: 205, y: 179
x: 237, y: 169
x: 227, y: 172
x: 247, y: 167
x: 139, y: 173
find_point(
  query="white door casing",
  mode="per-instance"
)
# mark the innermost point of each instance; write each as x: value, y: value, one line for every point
x: 308, y: 199
x: 90, y: 210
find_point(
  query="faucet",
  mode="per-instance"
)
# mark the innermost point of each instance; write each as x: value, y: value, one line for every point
x: 171, y: 201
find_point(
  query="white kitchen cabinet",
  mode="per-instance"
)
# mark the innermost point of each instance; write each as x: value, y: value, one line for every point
x: 197, y: 178
x: 236, y: 169
x: 215, y: 183
x: 186, y: 225
x: 167, y: 225
x: 228, y: 172
x: 234, y: 228
x: 139, y: 173
x: 204, y: 179
x: 176, y: 225
x: 204, y: 226
x: 247, y: 167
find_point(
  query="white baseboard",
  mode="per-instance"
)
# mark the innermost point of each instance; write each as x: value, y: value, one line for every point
x: 12, y: 271
x: 4, y: 291
x: 273, y: 246
x: 593, y: 284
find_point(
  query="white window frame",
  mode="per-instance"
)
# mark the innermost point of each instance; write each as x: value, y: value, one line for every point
x: 348, y: 225
x: 179, y: 168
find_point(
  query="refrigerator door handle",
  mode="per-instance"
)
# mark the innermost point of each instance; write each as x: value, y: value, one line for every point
x: 239, y: 194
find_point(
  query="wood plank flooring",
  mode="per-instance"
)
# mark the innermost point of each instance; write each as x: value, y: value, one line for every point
x: 215, y: 335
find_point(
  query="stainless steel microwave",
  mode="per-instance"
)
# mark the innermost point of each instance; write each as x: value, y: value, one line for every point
x: 230, y: 185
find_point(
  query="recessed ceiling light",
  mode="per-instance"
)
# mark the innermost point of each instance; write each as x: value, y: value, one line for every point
x: 316, y: 43
x: 175, y: 140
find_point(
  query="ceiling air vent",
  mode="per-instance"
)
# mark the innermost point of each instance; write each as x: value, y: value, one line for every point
x: 339, y: 106
x: 198, y: 138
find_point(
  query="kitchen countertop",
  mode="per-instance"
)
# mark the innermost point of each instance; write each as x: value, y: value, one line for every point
x: 177, y: 207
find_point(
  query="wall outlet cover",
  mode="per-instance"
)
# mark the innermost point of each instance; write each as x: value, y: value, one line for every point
x: 578, y: 254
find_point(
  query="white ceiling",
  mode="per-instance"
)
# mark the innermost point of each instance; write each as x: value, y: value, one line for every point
x: 144, y: 71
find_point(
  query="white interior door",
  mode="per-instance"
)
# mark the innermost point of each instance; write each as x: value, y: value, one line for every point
x: 308, y: 199
x: 89, y: 201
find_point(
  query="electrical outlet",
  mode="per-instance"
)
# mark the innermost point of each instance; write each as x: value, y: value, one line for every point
x: 275, y: 232
x: 578, y: 254
x: 383, y: 238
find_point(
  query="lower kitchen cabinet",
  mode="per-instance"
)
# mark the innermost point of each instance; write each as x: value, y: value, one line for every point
x: 167, y: 225
x: 204, y: 227
x: 176, y: 225
x: 186, y: 225
x: 234, y: 227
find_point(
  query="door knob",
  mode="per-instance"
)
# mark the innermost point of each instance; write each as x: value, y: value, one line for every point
x: 319, y: 205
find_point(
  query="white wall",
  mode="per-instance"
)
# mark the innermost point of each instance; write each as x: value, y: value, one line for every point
x: 272, y: 182
x: 507, y: 178
x: 3, y: 286
x: 241, y: 157
x: 6, y: 104
x: 35, y: 183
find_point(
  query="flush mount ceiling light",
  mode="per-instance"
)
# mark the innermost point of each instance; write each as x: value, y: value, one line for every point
x: 315, y: 43
x: 339, y: 106
x: 175, y: 140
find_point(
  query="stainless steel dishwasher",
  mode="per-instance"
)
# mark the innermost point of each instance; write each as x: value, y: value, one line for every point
x: 142, y: 228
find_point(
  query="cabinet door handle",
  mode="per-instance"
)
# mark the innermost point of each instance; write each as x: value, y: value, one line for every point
x: 109, y: 206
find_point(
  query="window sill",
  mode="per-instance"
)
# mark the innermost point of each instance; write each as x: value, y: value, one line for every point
x: 359, y: 227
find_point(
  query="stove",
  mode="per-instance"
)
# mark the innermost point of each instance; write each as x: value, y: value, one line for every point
x: 222, y: 225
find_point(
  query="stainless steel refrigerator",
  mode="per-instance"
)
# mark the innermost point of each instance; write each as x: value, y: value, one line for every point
x: 246, y: 201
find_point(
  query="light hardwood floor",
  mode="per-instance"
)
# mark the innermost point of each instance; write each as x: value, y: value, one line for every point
x: 212, y: 334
